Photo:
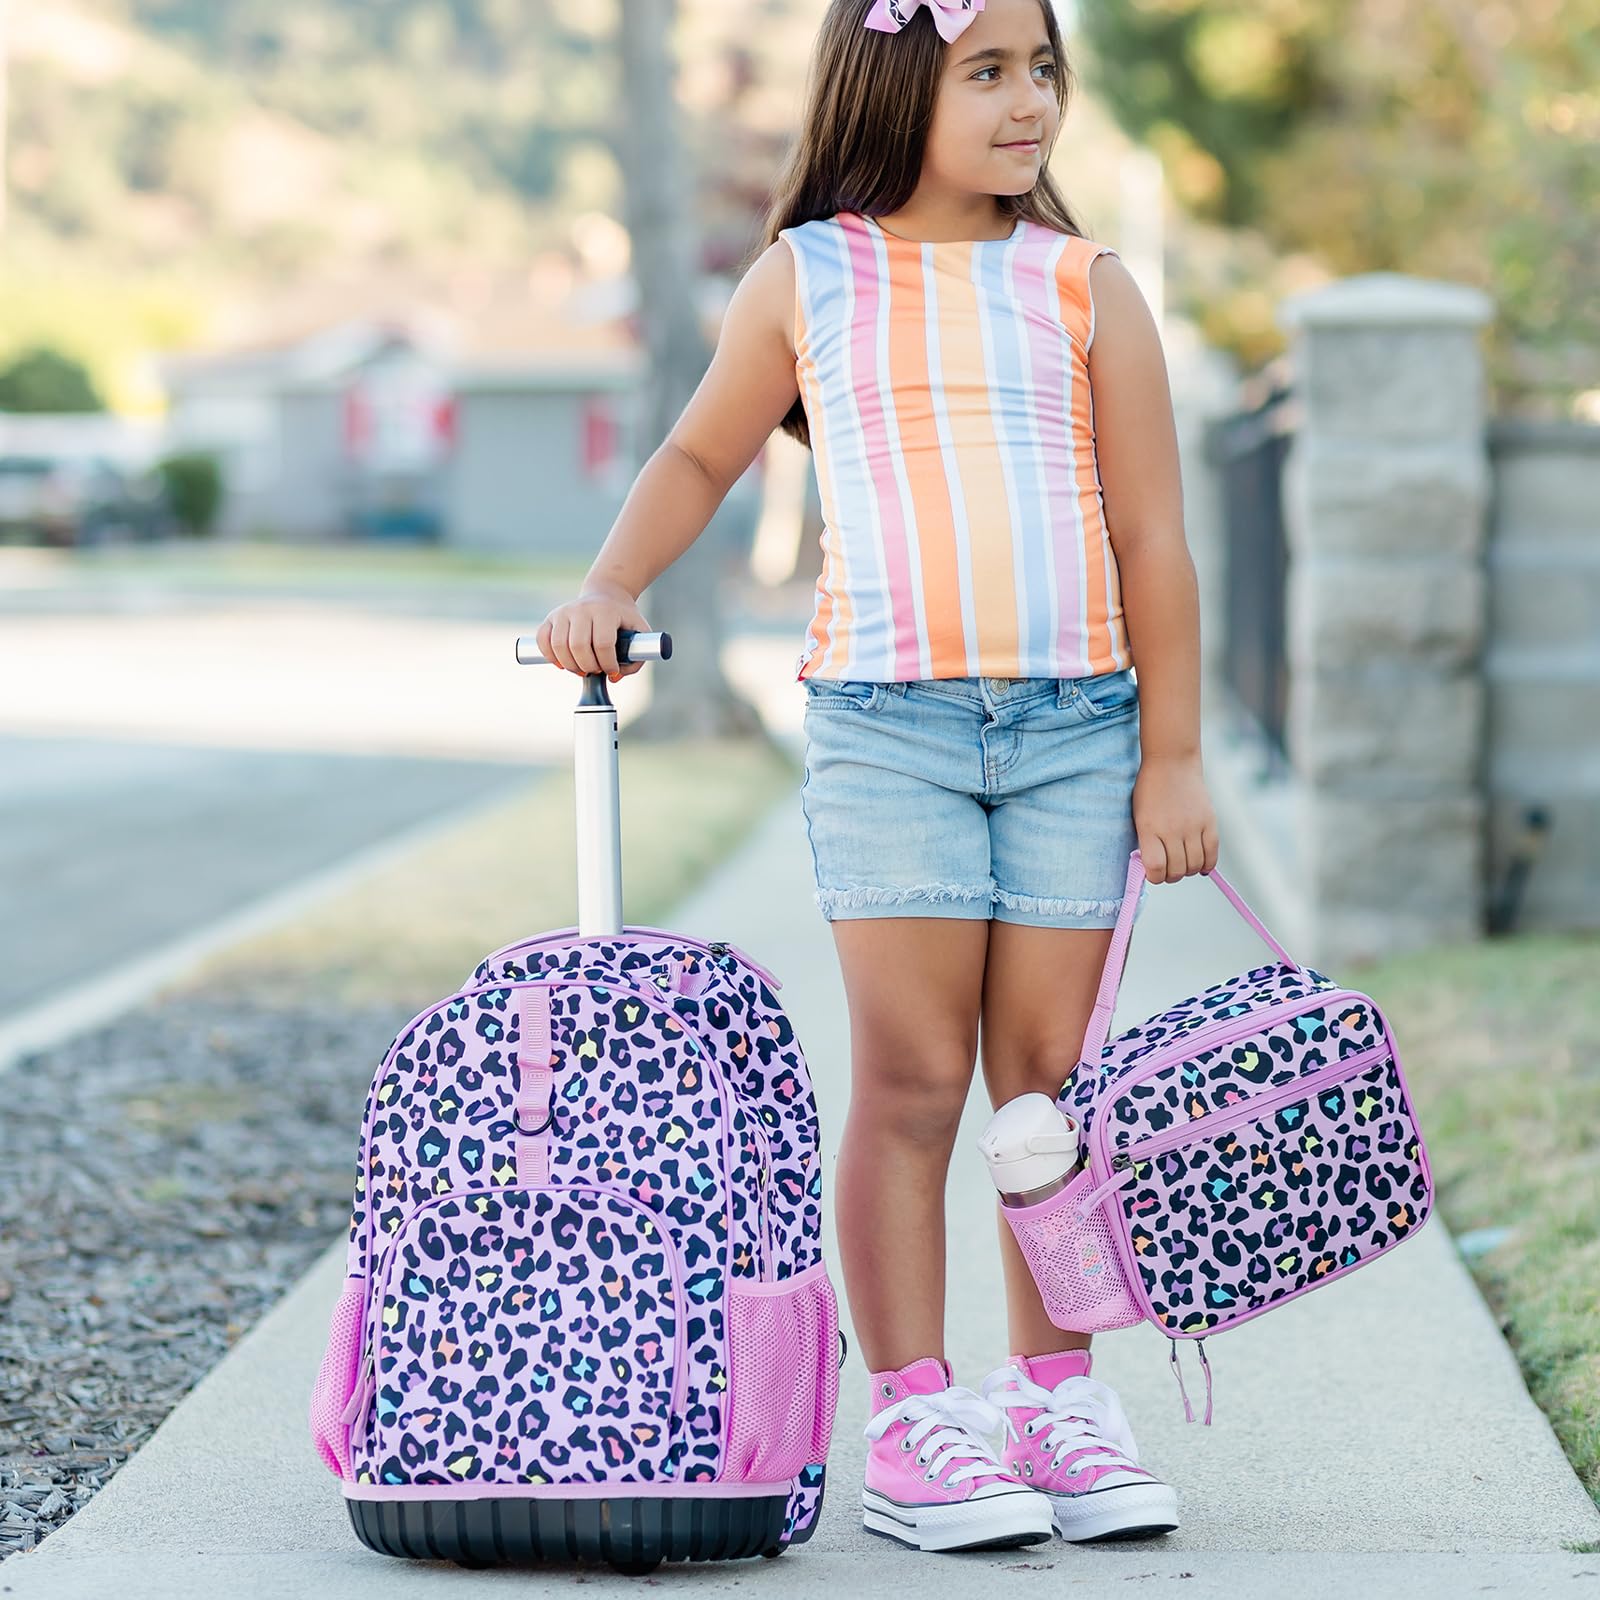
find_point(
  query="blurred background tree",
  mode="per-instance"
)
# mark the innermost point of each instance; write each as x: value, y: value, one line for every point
x: 47, y: 380
x: 179, y: 168
x: 1445, y: 138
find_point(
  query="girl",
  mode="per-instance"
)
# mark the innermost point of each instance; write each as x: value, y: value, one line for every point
x: 986, y: 400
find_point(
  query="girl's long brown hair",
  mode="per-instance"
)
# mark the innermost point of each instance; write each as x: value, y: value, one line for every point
x: 868, y: 105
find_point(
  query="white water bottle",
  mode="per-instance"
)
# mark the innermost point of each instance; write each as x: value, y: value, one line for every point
x: 1033, y: 1149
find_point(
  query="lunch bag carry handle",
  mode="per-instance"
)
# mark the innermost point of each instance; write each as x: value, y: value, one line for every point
x: 1105, y: 1000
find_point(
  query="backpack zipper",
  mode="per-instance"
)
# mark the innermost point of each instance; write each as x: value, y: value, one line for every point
x: 763, y: 1180
x: 635, y: 931
x: 652, y: 998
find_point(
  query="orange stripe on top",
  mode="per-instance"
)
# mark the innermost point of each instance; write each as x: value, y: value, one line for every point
x: 1072, y: 284
x: 947, y: 391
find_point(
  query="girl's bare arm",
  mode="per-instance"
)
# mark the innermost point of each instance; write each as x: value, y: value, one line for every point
x: 1136, y: 444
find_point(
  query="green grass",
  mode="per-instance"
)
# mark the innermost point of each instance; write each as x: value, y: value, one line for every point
x: 253, y: 564
x: 414, y: 930
x: 1500, y: 1041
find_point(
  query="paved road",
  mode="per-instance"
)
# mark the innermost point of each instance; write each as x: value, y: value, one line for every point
x: 166, y: 765
x: 111, y: 848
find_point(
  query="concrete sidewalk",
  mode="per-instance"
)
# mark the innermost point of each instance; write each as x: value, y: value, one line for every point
x: 1377, y: 1439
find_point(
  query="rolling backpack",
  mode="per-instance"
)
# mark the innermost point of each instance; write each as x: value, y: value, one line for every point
x: 585, y: 1313
x: 1247, y: 1145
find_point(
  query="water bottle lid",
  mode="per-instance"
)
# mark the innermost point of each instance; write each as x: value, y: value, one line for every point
x: 1028, y: 1143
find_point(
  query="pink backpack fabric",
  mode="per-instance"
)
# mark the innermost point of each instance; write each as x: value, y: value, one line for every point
x: 1249, y: 1144
x: 585, y: 1310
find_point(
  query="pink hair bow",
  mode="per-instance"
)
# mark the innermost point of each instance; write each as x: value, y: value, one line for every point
x: 950, y: 17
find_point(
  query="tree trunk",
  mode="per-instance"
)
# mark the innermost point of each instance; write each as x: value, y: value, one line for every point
x: 689, y: 695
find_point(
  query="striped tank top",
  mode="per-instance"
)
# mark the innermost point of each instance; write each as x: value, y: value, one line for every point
x: 952, y: 431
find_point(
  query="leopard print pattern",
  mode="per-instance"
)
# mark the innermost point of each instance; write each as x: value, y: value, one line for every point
x: 770, y: 1124
x: 1240, y: 1220
x: 1229, y: 1222
x: 564, y: 1359
x: 762, y: 1052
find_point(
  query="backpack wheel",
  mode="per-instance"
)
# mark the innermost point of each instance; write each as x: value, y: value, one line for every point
x: 641, y: 1568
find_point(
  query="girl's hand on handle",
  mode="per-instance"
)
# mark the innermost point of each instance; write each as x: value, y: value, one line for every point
x: 581, y: 635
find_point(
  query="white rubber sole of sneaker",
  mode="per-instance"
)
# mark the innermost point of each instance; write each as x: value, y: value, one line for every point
x: 999, y: 1521
x: 1130, y: 1511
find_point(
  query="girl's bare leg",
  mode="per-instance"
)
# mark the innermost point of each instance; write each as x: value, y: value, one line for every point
x: 914, y: 987
x: 1038, y: 990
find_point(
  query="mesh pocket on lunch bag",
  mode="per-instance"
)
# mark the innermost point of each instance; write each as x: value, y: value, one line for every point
x: 783, y: 1375
x: 336, y: 1378
x: 1075, y: 1263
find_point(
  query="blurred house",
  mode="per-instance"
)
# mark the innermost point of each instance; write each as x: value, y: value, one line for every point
x: 342, y: 433
x: 545, y: 450
x: 369, y: 429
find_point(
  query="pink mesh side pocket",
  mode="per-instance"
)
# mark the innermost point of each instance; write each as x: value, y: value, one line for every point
x: 1075, y: 1263
x: 336, y: 1378
x: 783, y: 1375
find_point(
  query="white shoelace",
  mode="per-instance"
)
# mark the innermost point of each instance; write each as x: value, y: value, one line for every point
x: 949, y: 1425
x: 1077, y: 1413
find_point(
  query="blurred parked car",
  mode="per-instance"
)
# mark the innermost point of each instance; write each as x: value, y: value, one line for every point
x: 79, y: 500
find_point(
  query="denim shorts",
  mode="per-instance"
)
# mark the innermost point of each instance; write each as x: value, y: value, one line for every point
x: 981, y: 797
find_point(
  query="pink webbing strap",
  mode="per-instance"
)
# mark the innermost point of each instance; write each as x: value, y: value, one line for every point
x: 1105, y: 1000
x: 534, y: 1082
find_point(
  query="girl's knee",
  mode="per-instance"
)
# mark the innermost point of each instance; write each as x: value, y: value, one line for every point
x: 911, y: 1096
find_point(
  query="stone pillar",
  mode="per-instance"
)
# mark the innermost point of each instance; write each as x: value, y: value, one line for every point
x: 1386, y: 490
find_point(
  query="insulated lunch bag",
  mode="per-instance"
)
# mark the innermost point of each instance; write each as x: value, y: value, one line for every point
x: 1252, y: 1143
x: 585, y: 1312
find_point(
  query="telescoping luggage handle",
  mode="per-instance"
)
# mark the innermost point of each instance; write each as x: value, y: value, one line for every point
x: 1094, y: 1036
x: 594, y: 775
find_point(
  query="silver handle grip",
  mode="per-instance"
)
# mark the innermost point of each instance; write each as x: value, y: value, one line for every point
x: 631, y: 646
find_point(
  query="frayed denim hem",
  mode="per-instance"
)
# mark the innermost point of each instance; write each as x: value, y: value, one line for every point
x: 1048, y: 911
x: 1054, y: 906
x: 960, y: 899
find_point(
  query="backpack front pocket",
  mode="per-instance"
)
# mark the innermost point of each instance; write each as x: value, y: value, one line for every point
x: 525, y: 1335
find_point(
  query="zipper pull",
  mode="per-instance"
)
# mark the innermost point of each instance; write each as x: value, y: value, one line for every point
x: 722, y: 948
x: 1095, y: 1196
x: 1172, y: 1361
x: 365, y: 1385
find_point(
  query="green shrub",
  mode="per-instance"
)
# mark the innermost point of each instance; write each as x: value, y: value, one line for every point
x: 193, y: 483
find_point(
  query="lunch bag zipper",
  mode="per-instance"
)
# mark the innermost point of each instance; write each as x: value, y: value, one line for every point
x: 1183, y: 1046
x: 1121, y: 1162
x: 1213, y: 1122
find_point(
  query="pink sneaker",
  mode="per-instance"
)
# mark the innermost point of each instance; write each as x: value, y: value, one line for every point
x: 933, y: 1480
x: 1073, y: 1442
